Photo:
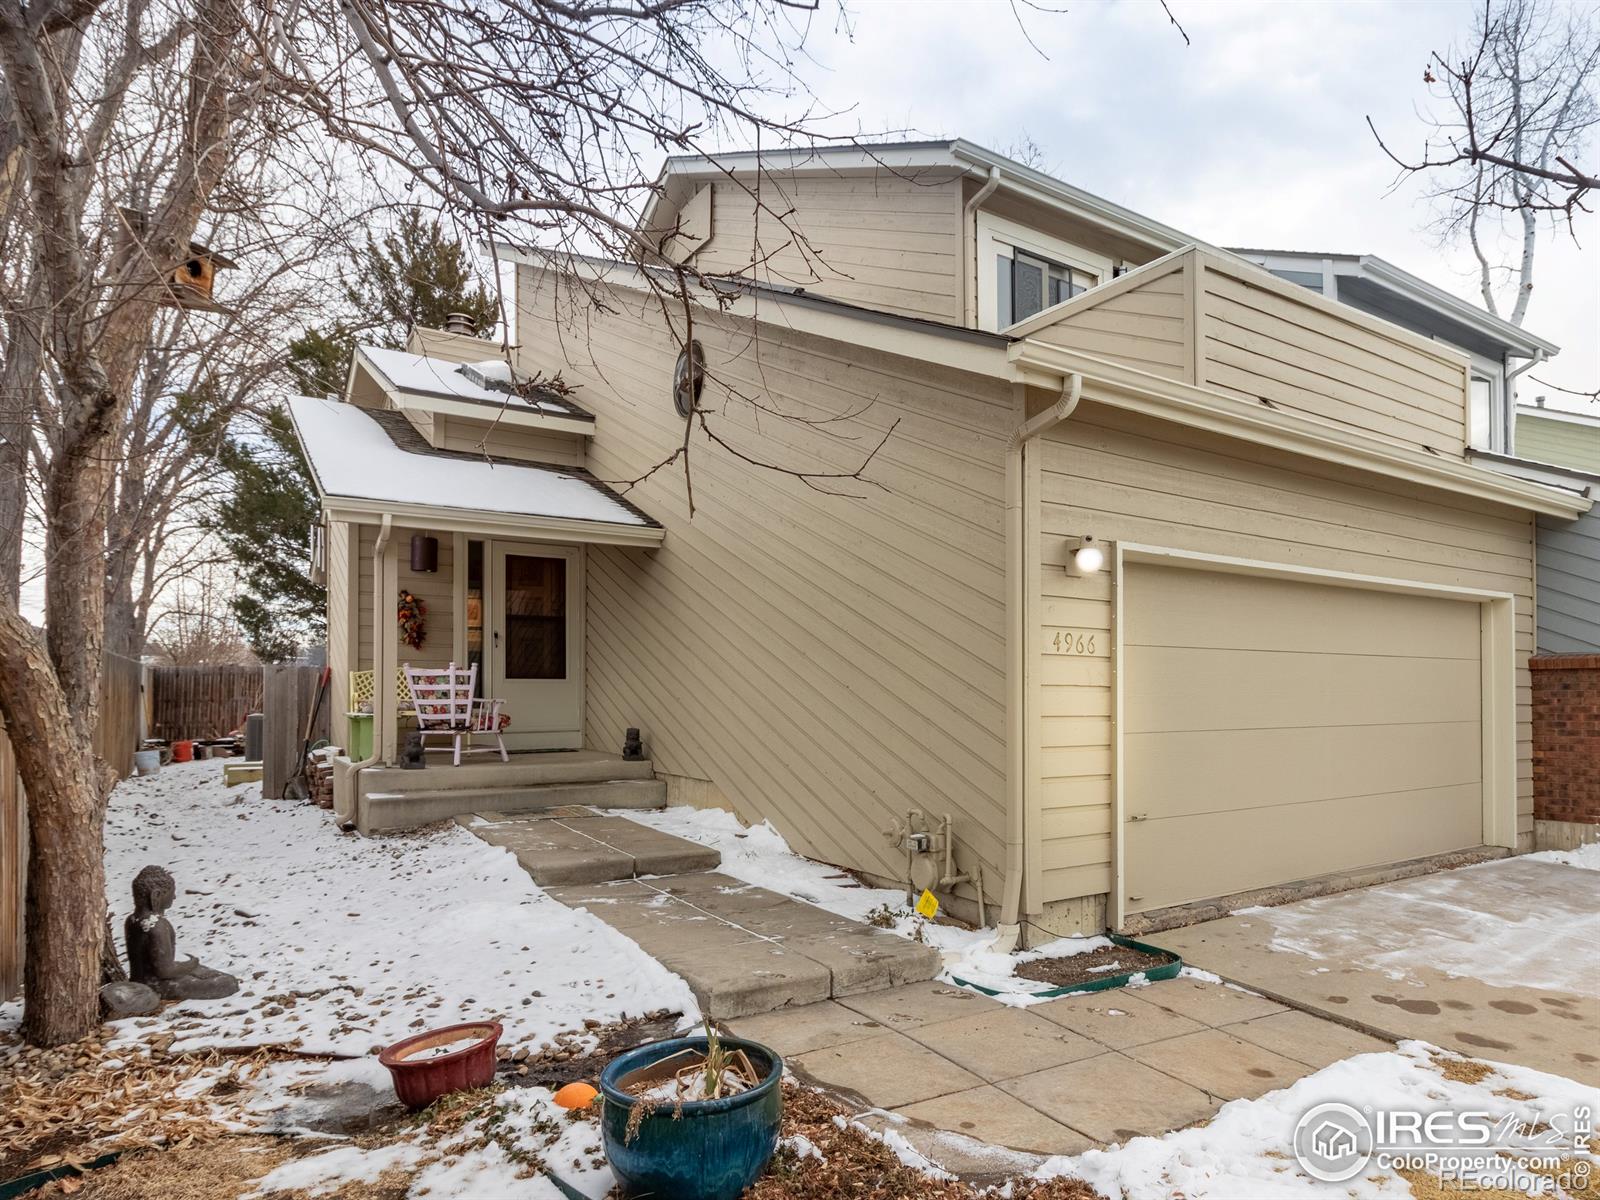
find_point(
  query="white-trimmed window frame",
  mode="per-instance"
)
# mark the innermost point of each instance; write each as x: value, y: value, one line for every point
x: 1490, y: 430
x: 999, y: 237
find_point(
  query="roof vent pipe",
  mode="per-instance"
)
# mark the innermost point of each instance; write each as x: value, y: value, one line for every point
x: 459, y: 322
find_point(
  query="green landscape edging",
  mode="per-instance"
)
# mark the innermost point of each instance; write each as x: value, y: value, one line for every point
x: 1154, y: 975
x: 23, y: 1184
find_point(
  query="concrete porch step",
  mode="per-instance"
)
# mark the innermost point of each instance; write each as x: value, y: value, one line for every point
x: 580, y: 846
x: 385, y: 811
x: 485, y: 772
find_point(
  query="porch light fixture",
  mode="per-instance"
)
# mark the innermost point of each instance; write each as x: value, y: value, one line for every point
x: 424, y: 554
x: 1088, y: 558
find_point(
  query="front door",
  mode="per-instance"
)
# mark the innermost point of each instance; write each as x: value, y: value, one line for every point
x: 536, y: 643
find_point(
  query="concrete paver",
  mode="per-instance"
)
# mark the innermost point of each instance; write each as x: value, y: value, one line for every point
x: 1004, y: 1043
x: 1117, y: 1018
x: 1220, y: 1064
x: 889, y: 1070
x: 1208, y: 1003
x: 921, y: 1004
x: 999, y: 1118
x: 793, y: 1031
x: 1306, y: 1039
x: 1111, y: 1098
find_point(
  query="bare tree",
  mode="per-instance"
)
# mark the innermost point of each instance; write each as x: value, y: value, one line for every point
x: 532, y: 122
x: 197, y: 627
x: 1519, y: 103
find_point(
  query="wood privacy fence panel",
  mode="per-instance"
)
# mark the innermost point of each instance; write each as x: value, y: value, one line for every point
x: 122, y: 713
x: 188, y: 703
x: 115, y: 740
x: 290, y: 695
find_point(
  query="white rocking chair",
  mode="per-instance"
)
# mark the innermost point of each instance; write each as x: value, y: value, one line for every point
x: 446, y: 707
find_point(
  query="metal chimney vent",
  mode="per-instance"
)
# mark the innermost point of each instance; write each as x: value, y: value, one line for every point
x: 457, y: 322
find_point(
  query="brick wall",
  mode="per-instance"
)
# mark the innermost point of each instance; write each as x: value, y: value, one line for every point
x: 1566, y: 737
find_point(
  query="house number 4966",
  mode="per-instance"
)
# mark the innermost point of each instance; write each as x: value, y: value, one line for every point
x: 1067, y: 642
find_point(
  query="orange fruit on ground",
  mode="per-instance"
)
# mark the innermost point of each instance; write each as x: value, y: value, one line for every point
x: 576, y: 1095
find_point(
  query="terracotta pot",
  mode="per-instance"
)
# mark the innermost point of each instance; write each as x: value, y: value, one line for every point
x: 418, y: 1082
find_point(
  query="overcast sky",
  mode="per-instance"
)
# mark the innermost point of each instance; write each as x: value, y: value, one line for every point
x: 1254, y: 135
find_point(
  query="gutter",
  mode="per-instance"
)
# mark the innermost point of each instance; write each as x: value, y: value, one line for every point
x: 1022, y: 601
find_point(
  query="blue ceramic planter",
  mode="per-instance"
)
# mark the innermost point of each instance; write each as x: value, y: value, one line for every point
x: 708, y: 1149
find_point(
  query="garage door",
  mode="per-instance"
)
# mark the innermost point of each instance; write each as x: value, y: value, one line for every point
x: 1275, y: 730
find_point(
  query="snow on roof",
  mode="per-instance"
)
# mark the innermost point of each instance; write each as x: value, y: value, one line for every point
x: 354, y: 456
x: 407, y: 372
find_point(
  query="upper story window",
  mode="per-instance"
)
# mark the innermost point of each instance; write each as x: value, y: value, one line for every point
x: 1488, y: 415
x: 1026, y: 284
x: 1023, y: 271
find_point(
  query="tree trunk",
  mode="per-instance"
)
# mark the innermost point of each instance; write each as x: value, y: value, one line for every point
x: 66, y: 871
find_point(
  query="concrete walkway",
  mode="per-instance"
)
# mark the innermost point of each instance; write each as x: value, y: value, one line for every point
x: 1500, y: 961
x: 741, y: 948
x: 577, y: 845
x: 1055, y: 1078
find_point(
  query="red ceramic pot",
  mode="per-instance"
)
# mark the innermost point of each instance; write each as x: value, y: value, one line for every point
x: 421, y: 1077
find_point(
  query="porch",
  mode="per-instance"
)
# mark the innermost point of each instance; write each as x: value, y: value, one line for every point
x: 435, y: 557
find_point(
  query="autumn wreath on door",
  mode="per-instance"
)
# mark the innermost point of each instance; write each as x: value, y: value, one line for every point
x: 412, y: 614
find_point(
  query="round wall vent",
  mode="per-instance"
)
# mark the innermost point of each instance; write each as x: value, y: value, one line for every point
x: 688, y: 379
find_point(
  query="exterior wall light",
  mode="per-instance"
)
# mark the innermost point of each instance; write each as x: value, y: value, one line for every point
x: 424, y: 554
x: 1088, y: 558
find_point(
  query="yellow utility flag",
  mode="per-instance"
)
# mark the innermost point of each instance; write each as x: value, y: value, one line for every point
x: 927, y: 904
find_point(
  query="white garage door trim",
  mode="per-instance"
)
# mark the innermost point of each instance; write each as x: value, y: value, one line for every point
x: 1498, y: 645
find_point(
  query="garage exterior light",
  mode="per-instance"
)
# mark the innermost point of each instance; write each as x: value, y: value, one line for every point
x: 1089, y: 557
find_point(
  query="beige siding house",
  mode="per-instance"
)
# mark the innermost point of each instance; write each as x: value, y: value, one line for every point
x: 1299, y: 659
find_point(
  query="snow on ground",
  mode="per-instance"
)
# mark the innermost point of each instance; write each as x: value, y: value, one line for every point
x: 759, y: 855
x: 1482, y: 922
x: 1245, y: 1151
x: 502, y: 1152
x: 343, y: 943
x: 1587, y: 857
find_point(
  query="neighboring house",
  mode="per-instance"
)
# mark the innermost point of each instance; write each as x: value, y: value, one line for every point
x: 1561, y: 449
x: 1562, y: 439
x: 1302, y: 656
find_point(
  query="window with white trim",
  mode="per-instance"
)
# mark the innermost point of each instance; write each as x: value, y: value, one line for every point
x: 1023, y: 271
x: 1025, y: 284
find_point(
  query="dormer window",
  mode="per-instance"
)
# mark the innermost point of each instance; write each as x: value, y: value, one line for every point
x: 1023, y: 270
x: 1026, y: 284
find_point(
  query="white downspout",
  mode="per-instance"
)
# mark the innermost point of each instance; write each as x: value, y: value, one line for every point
x: 1022, y: 550
x: 969, y: 278
x: 1539, y: 356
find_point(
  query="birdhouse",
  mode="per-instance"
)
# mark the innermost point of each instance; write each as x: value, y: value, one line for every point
x: 191, y: 284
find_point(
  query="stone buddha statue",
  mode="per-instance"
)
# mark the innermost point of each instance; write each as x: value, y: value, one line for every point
x: 152, y: 945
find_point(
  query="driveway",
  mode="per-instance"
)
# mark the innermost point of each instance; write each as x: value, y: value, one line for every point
x: 1499, y: 961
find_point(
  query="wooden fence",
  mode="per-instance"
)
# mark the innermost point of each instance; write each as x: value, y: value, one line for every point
x: 115, y: 740
x: 290, y: 696
x: 196, y: 703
